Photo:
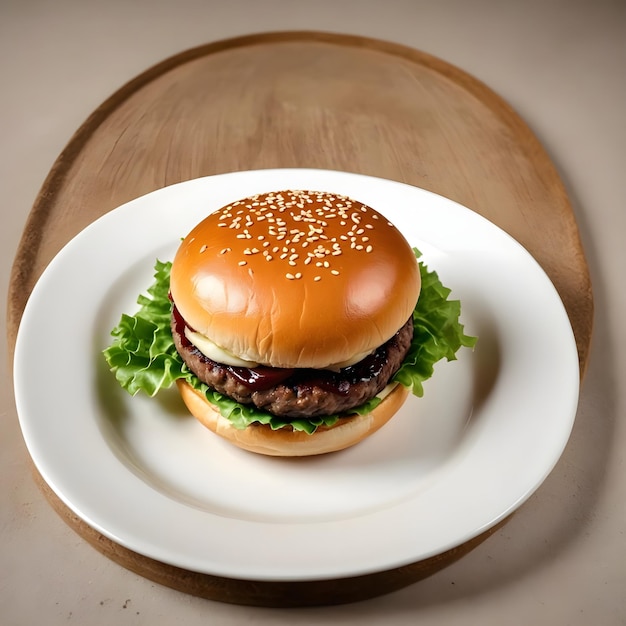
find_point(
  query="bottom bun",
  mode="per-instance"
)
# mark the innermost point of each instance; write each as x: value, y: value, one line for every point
x: 262, y: 439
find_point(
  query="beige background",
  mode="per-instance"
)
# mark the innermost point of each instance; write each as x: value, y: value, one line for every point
x: 561, y: 65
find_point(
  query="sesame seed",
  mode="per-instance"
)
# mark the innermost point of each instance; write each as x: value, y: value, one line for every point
x: 203, y: 248
x: 291, y: 224
x: 225, y: 250
x: 243, y: 263
x: 317, y: 278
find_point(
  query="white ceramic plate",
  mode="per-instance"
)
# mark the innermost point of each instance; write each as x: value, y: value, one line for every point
x: 489, y: 429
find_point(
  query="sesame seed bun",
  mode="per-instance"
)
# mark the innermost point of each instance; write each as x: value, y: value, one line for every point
x: 287, y: 442
x: 295, y: 279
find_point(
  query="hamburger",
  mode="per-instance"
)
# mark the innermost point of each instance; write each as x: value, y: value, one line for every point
x: 288, y: 322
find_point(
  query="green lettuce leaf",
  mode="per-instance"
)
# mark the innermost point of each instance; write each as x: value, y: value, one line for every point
x: 437, y: 333
x: 143, y: 356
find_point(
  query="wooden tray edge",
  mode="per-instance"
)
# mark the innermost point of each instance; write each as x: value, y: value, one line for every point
x: 22, y: 280
x: 269, y: 594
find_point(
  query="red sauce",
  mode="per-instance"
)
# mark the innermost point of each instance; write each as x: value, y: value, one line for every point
x: 258, y: 378
x: 261, y: 377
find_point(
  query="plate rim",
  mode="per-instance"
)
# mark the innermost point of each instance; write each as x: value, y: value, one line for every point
x: 281, y: 172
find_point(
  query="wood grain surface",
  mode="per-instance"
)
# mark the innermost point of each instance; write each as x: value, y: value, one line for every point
x: 314, y: 100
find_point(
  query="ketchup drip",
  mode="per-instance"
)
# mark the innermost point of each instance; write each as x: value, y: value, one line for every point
x: 258, y: 378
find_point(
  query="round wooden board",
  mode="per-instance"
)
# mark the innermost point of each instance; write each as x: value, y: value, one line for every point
x: 314, y: 100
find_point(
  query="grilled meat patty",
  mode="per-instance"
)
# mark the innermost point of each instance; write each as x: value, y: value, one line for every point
x: 298, y: 392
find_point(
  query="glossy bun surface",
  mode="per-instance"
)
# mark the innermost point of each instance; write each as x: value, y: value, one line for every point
x: 296, y: 279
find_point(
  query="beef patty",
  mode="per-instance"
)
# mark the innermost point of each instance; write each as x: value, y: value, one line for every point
x: 298, y: 392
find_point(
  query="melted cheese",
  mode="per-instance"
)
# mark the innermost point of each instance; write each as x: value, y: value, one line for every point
x: 212, y: 351
x: 387, y: 390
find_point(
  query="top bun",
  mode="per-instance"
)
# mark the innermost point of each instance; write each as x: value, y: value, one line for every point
x: 295, y: 279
